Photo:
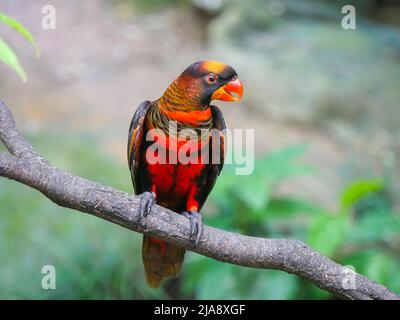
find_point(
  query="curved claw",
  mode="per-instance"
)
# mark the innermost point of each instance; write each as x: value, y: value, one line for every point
x: 196, y: 225
x: 147, y: 200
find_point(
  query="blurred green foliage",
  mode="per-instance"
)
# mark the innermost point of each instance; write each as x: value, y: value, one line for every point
x: 93, y: 258
x: 369, y: 242
x: 7, y: 54
x: 155, y: 5
x: 96, y: 259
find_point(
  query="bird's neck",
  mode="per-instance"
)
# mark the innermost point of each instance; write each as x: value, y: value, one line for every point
x: 181, y: 104
x: 181, y: 97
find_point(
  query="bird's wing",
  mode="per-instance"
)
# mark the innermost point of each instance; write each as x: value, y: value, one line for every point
x: 218, y: 149
x: 135, y: 137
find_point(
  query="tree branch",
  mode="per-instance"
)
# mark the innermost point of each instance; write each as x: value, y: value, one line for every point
x: 24, y: 165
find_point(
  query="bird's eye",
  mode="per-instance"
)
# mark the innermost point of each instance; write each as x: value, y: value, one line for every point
x: 211, y: 78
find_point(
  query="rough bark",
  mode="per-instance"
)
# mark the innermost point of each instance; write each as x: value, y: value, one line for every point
x: 24, y: 165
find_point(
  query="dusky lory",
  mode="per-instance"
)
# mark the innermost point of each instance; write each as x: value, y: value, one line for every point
x: 182, y: 186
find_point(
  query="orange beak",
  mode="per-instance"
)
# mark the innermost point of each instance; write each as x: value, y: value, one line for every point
x: 225, y: 93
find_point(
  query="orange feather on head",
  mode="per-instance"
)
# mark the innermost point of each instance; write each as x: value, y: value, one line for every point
x: 195, y: 87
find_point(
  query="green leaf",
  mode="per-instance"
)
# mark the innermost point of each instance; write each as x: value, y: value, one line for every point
x: 218, y: 282
x: 289, y: 207
x: 21, y: 30
x: 375, y: 227
x: 8, y: 56
x: 377, y: 267
x: 224, y: 183
x: 253, y: 191
x: 274, y: 285
x: 315, y: 293
x: 393, y: 279
x: 281, y: 164
x: 327, y: 232
x: 357, y: 190
x: 194, y: 272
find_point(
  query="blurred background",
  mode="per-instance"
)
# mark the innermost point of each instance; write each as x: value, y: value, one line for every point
x: 324, y: 103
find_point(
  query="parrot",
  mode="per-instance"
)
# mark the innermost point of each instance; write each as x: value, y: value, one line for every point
x: 181, y: 186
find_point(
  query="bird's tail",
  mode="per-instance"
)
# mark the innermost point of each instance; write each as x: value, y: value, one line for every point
x: 160, y: 260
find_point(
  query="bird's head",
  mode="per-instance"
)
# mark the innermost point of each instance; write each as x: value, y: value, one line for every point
x: 205, y: 81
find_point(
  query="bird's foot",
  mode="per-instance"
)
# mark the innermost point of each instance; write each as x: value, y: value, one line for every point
x: 196, y: 225
x: 147, y: 200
